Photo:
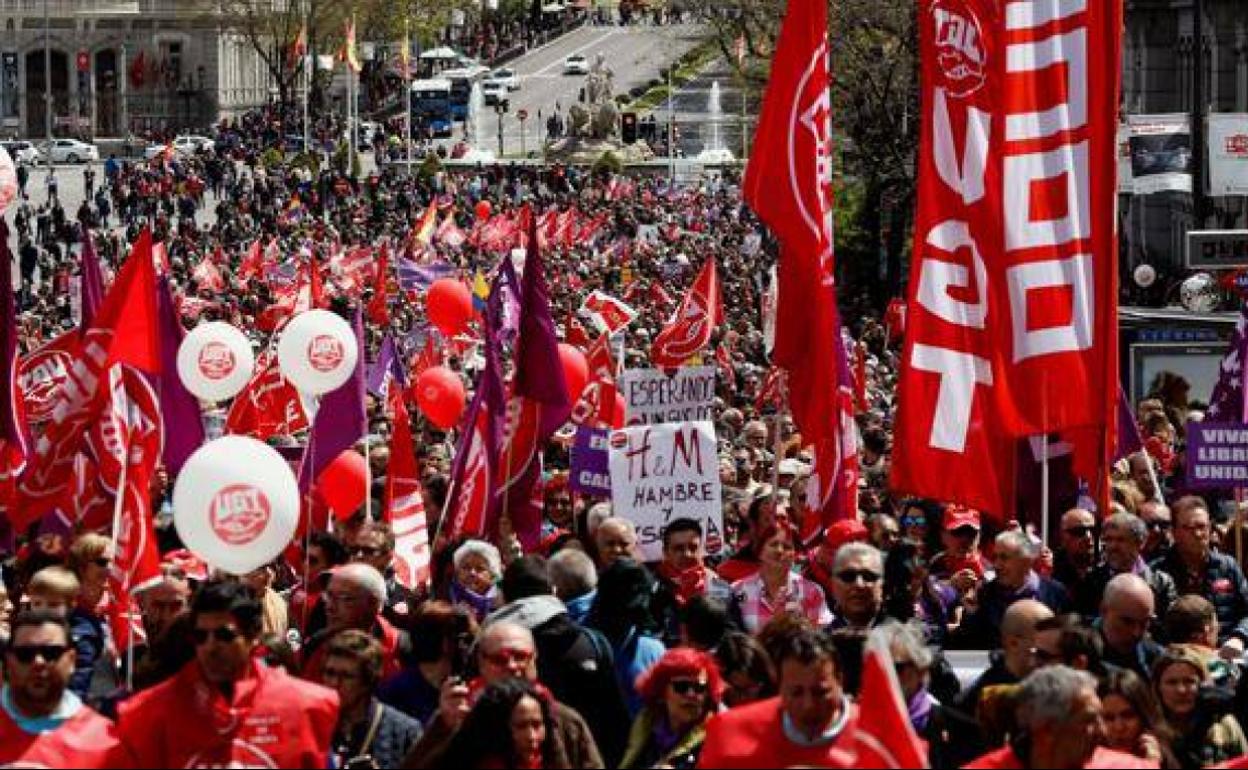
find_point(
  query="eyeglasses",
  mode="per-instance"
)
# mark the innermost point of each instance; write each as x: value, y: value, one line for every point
x: 689, y: 687
x: 505, y: 658
x: 222, y: 634
x: 1080, y: 531
x: 26, y: 654
x: 852, y: 576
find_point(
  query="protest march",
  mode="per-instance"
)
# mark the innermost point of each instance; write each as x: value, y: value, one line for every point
x: 543, y: 465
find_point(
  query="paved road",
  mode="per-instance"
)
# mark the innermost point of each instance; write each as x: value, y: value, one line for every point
x: 635, y: 54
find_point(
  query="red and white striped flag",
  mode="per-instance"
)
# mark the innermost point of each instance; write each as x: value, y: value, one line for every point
x: 405, y: 504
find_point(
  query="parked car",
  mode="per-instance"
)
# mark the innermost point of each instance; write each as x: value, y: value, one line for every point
x: 73, y: 151
x: 508, y: 78
x: 494, y: 91
x: 576, y: 65
x: 23, y: 152
x: 182, y: 145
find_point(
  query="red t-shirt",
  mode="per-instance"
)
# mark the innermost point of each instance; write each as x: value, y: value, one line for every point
x: 85, y: 740
x: 753, y: 736
x: 1006, y: 759
x: 273, y: 720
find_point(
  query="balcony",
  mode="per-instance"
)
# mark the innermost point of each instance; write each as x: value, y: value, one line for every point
x: 62, y: 9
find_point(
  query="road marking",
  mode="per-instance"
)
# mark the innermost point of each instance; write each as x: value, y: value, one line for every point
x: 582, y: 49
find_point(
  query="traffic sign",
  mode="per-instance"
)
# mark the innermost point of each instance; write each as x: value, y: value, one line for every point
x: 523, y: 115
x: 84, y: 61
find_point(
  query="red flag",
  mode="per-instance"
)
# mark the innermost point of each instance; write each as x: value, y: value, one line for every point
x: 574, y: 332
x: 405, y: 504
x: 860, y: 377
x: 15, y: 444
x: 208, y: 276
x: 1012, y: 328
x: 608, y: 313
x: 123, y: 332
x: 253, y: 263
x: 789, y: 184
x: 269, y: 406
x: 884, y: 736
x: 596, y: 407
x: 690, y: 329
x: 428, y: 359
x: 379, y: 307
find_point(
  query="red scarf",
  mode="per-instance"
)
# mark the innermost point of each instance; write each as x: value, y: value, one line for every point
x: 688, y: 584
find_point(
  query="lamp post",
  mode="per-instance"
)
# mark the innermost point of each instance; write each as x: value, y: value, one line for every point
x: 47, y: 77
x: 501, y: 109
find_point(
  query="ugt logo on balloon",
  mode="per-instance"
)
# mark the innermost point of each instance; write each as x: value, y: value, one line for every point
x: 216, y: 361
x: 960, y: 50
x: 326, y: 353
x: 239, y: 514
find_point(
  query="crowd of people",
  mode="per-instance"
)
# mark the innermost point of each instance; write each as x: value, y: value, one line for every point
x: 1121, y: 643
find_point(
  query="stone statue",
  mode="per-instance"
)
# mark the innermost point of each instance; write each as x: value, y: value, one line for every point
x: 607, y: 122
x: 600, y: 83
x: 579, y: 120
x: 594, y: 126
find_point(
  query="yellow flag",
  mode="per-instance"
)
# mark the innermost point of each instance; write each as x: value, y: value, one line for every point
x: 405, y: 50
x: 352, y: 55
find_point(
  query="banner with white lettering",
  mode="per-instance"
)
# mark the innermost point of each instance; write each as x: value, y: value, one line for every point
x: 1013, y: 300
x: 1217, y: 456
x: 660, y: 473
x: 591, y: 470
x: 1161, y: 153
x: 652, y: 397
x: 1228, y: 154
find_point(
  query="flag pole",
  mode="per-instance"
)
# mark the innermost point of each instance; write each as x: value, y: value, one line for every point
x: 309, y: 66
x: 407, y: 87
x: 1044, y: 492
x: 780, y: 412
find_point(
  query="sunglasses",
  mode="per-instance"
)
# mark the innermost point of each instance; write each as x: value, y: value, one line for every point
x: 26, y: 654
x: 852, y: 576
x: 222, y: 634
x: 1080, y: 531
x: 913, y: 522
x: 1160, y: 526
x: 689, y: 687
x: 510, y: 658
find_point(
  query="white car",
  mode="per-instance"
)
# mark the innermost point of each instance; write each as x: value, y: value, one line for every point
x: 576, y: 65
x: 73, y: 151
x: 182, y: 146
x: 23, y: 152
x: 494, y: 91
x: 508, y: 78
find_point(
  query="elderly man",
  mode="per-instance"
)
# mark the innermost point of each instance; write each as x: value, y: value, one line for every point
x: 858, y: 587
x: 226, y: 708
x: 1157, y: 519
x: 574, y: 579
x: 1016, y: 579
x: 1197, y: 569
x: 1123, y: 538
x: 354, y: 601
x: 811, y: 724
x: 1128, y: 610
x: 42, y: 723
x: 885, y: 531
x: 683, y: 576
x: 504, y: 651
x: 1013, y: 661
x: 616, y: 539
x: 1059, y: 715
x: 1076, y: 555
x: 164, y: 602
x: 373, y: 544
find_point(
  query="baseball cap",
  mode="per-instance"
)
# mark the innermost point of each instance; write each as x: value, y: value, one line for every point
x: 957, y: 517
x: 844, y: 532
x: 791, y: 468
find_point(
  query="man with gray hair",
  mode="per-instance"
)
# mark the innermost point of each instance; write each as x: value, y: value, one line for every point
x: 1059, y: 716
x: 574, y: 578
x: 1016, y: 579
x: 857, y: 587
x: 1123, y: 536
x: 354, y: 601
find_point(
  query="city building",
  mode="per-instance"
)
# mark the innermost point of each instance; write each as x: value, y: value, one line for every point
x: 122, y: 66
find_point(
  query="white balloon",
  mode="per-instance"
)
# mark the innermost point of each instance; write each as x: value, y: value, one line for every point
x: 318, y: 352
x: 216, y: 362
x: 236, y: 504
x: 8, y: 180
x: 1199, y: 293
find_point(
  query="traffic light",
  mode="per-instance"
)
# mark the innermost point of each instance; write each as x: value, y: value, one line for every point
x: 629, y: 126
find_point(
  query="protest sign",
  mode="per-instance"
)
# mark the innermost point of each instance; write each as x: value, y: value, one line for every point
x: 651, y: 397
x: 660, y: 473
x: 591, y: 468
x: 1217, y: 455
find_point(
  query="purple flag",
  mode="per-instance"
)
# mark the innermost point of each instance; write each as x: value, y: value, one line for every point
x: 340, y: 422
x: 386, y: 369
x: 184, y: 420
x: 1227, y: 404
x: 14, y: 441
x: 415, y: 277
x: 1129, y: 439
x: 92, y: 281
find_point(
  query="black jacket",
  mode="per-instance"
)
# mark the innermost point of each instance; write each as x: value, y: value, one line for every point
x: 1090, y: 592
x: 953, y: 739
x: 981, y: 630
x: 396, y: 734
x: 1221, y: 582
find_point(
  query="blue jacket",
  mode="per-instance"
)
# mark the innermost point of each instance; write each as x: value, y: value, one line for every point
x: 1222, y: 583
x: 632, y: 659
x: 981, y: 630
x: 87, y: 635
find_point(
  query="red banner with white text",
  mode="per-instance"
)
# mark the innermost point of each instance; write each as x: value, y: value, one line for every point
x: 1012, y: 321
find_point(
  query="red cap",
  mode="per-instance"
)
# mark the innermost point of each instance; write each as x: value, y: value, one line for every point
x: 844, y: 532
x: 957, y: 517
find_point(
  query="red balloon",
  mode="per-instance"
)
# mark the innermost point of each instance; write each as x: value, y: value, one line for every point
x: 575, y: 370
x: 343, y: 485
x: 620, y: 415
x: 484, y: 209
x: 449, y: 306
x: 441, y: 397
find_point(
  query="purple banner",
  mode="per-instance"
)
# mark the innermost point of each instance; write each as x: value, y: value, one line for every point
x: 1217, y: 455
x: 591, y: 463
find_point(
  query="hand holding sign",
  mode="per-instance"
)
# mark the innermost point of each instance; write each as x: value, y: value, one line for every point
x: 236, y: 504
x: 318, y: 352
x: 215, y: 362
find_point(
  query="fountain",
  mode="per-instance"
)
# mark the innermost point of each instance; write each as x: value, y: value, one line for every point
x: 715, y: 152
x: 474, y: 129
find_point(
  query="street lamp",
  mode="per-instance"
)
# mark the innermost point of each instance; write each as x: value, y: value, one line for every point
x: 500, y: 107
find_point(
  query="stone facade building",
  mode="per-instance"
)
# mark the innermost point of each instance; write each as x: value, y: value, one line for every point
x: 122, y: 66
